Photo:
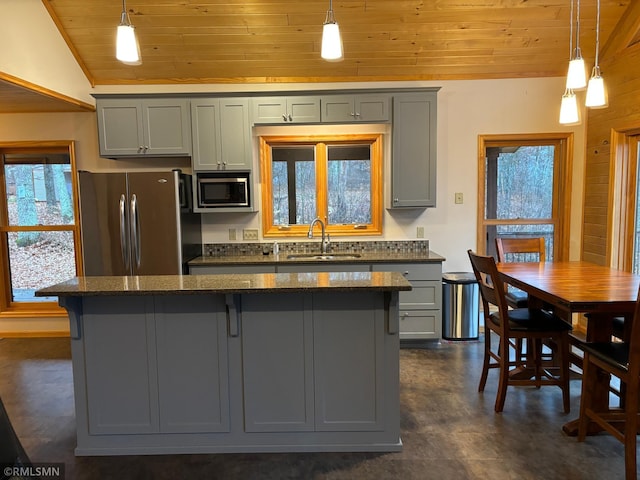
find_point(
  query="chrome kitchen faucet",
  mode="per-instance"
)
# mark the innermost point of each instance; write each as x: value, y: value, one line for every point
x: 325, y: 244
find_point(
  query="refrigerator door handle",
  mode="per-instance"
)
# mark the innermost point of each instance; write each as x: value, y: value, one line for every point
x: 135, y: 229
x: 124, y: 247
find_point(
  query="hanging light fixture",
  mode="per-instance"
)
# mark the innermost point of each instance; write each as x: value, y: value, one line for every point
x: 569, y: 112
x: 576, y: 76
x: 596, y: 93
x: 331, y: 40
x: 127, y: 46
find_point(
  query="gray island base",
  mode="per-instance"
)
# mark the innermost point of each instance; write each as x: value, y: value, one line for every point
x: 295, y: 362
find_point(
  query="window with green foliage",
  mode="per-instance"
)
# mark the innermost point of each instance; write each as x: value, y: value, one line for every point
x: 336, y: 178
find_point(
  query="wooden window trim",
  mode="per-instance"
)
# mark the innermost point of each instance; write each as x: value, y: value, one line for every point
x: 377, y: 164
x: 563, y: 165
x: 622, y: 198
x: 9, y: 308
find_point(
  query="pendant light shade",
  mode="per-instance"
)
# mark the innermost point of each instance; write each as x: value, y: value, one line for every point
x: 569, y: 113
x: 576, y: 76
x: 331, y: 40
x: 596, y: 92
x: 127, y: 46
x: 577, y: 73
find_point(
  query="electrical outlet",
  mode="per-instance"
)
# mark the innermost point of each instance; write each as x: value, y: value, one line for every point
x: 459, y: 198
x: 250, y: 234
x: 232, y: 234
x: 420, y: 232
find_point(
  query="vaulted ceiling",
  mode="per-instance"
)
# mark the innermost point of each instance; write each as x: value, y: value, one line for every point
x: 236, y: 41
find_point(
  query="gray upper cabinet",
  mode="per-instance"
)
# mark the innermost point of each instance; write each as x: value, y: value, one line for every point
x: 133, y: 127
x: 413, y: 163
x: 221, y: 134
x: 355, y: 108
x: 285, y: 109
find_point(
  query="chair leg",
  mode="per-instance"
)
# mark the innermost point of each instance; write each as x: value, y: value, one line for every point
x: 589, y: 374
x: 630, y: 432
x: 537, y: 359
x: 503, y: 379
x: 485, y: 363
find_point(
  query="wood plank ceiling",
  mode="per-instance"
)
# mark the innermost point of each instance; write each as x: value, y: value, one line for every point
x: 250, y: 41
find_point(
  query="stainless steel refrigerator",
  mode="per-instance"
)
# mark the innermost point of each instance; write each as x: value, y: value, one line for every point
x: 138, y: 223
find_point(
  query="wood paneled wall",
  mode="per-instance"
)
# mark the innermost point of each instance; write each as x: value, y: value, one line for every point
x: 620, y: 67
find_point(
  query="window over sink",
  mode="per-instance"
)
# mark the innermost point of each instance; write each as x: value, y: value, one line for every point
x: 337, y: 178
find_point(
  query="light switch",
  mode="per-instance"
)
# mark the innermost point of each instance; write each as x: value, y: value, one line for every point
x: 459, y: 198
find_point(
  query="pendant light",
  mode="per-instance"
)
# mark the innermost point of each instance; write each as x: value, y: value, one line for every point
x: 596, y: 93
x: 331, y: 40
x: 569, y: 112
x: 576, y: 76
x: 127, y: 46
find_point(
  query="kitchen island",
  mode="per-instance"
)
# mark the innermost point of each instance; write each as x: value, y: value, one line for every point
x: 285, y: 362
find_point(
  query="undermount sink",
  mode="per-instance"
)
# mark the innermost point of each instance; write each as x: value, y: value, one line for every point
x: 324, y: 256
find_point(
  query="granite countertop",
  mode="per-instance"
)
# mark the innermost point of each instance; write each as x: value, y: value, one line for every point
x: 427, y: 256
x: 228, y: 284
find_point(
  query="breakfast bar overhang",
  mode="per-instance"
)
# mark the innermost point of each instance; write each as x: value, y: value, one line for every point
x: 292, y: 362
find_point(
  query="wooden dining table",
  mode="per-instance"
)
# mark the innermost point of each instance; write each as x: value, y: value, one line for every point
x: 578, y: 287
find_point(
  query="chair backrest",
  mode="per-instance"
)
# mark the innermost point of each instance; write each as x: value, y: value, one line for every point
x: 521, y: 249
x: 492, y: 287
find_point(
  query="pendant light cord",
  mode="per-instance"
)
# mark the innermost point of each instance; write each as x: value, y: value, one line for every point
x: 597, y: 31
x: 570, y: 31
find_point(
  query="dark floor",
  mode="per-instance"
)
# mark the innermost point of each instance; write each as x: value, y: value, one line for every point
x: 449, y: 430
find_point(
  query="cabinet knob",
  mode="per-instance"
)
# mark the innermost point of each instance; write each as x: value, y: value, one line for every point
x: 395, y: 200
x: 405, y: 314
x: 290, y: 118
x: 406, y: 273
x: 352, y: 114
x: 357, y: 114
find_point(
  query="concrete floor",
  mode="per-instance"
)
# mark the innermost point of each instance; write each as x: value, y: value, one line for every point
x: 449, y: 430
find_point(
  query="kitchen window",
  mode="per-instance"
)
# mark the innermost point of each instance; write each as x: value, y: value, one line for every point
x: 337, y: 178
x: 39, y: 227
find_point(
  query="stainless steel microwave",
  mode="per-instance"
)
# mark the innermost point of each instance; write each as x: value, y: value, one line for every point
x: 223, y: 189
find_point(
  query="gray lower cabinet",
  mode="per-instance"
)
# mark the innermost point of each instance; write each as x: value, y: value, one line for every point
x: 130, y: 127
x: 294, y: 109
x: 420, y: 308
x: 193, y: 378
x: 151, y: 367
x: 120, y: 363
x: 355, y: 108
x: 206, y: 373
x: 221, y: 134
x: 279, y: 342
x: 413, y: 157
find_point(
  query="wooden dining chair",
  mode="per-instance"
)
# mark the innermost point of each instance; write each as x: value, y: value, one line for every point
x: 519, y: 324
x: 519, y: 250
x: 621, y: 359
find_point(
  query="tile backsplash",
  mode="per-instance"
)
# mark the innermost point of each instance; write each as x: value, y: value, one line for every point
x: 235, y: 249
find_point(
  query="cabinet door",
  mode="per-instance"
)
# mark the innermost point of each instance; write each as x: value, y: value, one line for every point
x: 338, y: 108
x: 235, y: 134
x: 269, y: 110
x: 303, y: 109
x: 167, y: 127
x: 193, y: 371
x: 349, y: 361
x: 277, y: 362
x: 120, y: 127
x: 372, y: 108
x: 420, y: 324
x: 205, y: 118
x: 413, y: 163
x: 120, y: 363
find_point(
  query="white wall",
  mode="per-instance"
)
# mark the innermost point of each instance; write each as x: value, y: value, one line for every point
x: 33, y: 50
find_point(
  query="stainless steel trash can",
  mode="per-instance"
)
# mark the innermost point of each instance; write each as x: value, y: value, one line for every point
x: 460, y: 306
